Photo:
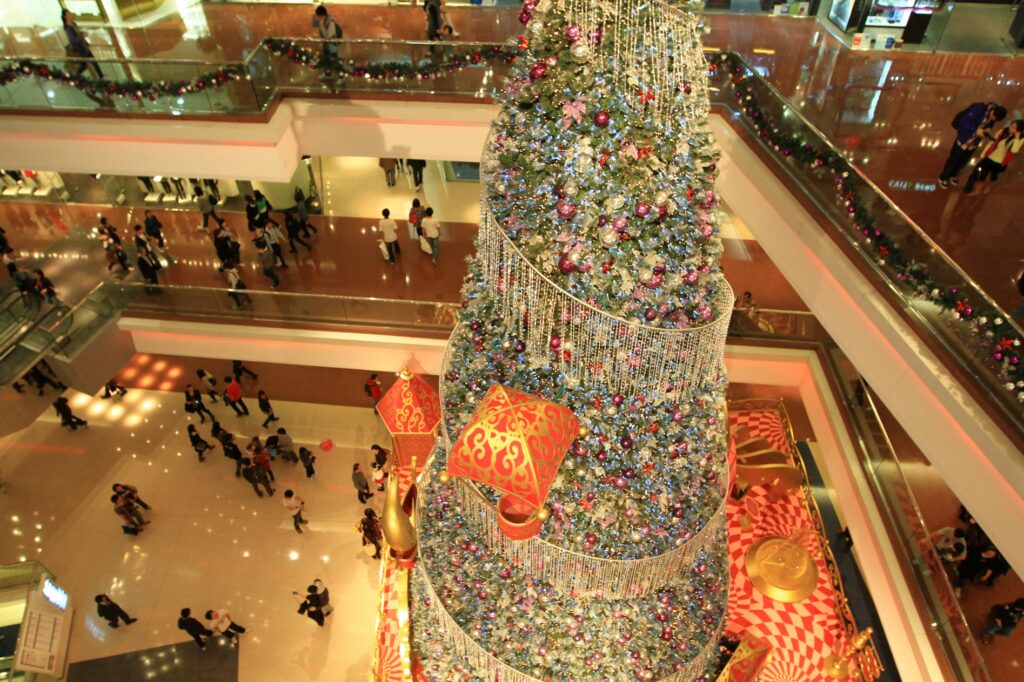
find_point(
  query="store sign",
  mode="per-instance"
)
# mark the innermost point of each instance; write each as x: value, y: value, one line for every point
x: 55, y: 595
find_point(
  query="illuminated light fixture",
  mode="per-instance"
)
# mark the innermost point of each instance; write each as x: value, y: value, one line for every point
x: 762, y: 50
x: 158, y: 178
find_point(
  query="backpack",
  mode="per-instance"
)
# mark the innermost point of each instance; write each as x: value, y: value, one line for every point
x: 960, y: 115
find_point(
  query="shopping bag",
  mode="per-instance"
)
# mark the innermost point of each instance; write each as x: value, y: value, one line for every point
x: 412, y: 231
x: 425, y: 246
x: 383, y: 249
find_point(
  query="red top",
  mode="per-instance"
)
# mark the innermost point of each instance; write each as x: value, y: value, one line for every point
x: 374, y: 385
x: 234, y: 391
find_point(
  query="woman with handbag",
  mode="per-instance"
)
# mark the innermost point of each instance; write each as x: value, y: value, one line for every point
x: 194, y: 403
x: 198, y: 444
x: 78, y: 46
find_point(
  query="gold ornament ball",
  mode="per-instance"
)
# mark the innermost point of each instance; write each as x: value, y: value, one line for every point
x: 543, y: 514
x: 584, y: 431
x: 444, y: 477
x: 580, y: 53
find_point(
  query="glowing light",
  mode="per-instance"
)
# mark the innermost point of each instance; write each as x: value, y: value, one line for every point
x: 133, y: 420
x: 115, y: 413
x: 293, y: 555
x: 147, y: 405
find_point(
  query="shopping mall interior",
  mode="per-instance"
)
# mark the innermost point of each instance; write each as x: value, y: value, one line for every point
x: 810, y: 470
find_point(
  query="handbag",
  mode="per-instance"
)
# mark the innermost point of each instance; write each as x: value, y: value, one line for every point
x: 189, y: 407
x: 383, y: 249
x: 425, y: 246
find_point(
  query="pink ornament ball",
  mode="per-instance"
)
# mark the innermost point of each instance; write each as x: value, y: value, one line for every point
x: 573, y: 33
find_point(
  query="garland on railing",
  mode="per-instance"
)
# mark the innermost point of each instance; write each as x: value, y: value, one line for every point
x: 995, y: 339
x: 450, y: 59
x: 104, y: 87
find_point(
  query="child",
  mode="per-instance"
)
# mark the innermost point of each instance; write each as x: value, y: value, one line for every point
x: 308, y: 458
x: 378, y: 476
x: 200, y: 445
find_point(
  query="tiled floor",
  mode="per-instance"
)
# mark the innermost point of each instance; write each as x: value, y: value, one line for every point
x: 211, y: 544
x: 182, y: 662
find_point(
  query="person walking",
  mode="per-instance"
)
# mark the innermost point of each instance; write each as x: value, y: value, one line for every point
x: 972, y: 126
x: 361, y: 484
x: 252, y: 214
x: 378, y: 475
x: 111, y: 612
x: 208, y: 382
x: 236, y: 286
x: 432, y: 231
x: 196, y: 630
x: 389, y: 229
x: 208, y: 208
x: 293, y: 226
x: 221, y: 623
x: 324, y: 596
x: 330, y: 31
x: 227, y: 247
x: 149, y: 268
x: 143, y: 242
x: 262, y: 460
x: 272, y: 235
x: 310, y: 605
x: 302, y: 209
x: 154, y: 228
x: 372, y: 532
x: 263, y: 209
x: 1002, y: 620
x: 194, y: 403
x: 239, y: 369
x: 233, y: 397
x: 997, y: 155
x: 39, y: 379
x: 66, y: 417
x: 113, y: 388
x: 78, y: 46
x: 374, y: 390
x: 416, y: 213
x: 267, y: 262
x: 44, y: 287
x: 295, y: 505
x: 231, y: 451
x: 254, y: 475
x: 198, y: 444
x: 266, y: 408
x: 417, y: 166
x: 116, y: 256
x: 129, y: 513
x: 308, y: 459
x: 389, y: 166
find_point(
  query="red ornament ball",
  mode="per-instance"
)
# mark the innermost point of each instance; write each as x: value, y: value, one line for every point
x: 565, y: 210
x: 643, y: 210
x: 602, y: 119
x: 538, y: 70
x: 573, y: 33
x: 566, y: 266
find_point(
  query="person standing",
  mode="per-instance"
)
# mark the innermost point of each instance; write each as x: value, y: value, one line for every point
x: 209, y: 383
x: 231, y: 451
x: 129, y: 513
x: 154, y: 228
x: 295, y: 505
x: 389, y: 166
x: 262, y: 460
x: 361, y: 484
x: 194, y: 403
x: 266, y: 408
x: 111, y: 612
x: 233, y: 397
x: 44, y: 287
x: 113, y: 388
x: 221, y: 623
x: 78, y: 46
x: 207, y: 207
x: 66, y: 417
x: 330, y: 31
x: 267, y: 262
x: 285, y: 446
x: 372, y: 532
x: 196, y: 630
x: 417, y: 166
x: 380, y: 455
x: 389, y: 229
x: 198, y: 444
x: 1002, y: 620
x: 130, y: 493
x: 997, y: 155
x: 379, y: 477
x: 972, y: 126
x: 254, y: 475
x: 432, y: 231
x: 149, y: 267
x: 374, y: 390
x: 308, y: 459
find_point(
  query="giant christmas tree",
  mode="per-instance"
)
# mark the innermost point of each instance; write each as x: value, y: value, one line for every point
x: 596, y: 297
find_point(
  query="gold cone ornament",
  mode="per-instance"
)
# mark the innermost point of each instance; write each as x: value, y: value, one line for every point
x: 397, y: 526
x: 782, y: 568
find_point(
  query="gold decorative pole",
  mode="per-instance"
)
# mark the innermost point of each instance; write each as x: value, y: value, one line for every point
x: 837, y: 666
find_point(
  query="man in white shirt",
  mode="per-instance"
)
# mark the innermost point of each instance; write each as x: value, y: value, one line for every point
x: 294, y: 504
x: 432, y: 231
x: 389, y: 228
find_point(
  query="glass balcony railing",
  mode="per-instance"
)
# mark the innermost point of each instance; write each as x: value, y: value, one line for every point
x: 978, y: 341
x: 278, y: 66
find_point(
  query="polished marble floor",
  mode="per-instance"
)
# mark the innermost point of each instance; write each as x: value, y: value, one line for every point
x: 211, y: 544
